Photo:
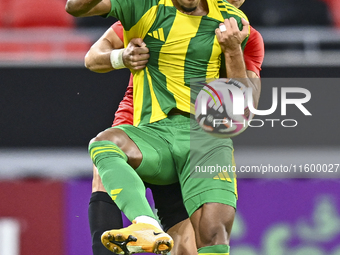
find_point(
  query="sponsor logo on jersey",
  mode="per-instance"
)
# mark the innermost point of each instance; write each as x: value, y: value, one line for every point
x: 158, y: 34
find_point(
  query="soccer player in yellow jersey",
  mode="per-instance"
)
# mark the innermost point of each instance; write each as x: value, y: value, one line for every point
x: 180, y: 35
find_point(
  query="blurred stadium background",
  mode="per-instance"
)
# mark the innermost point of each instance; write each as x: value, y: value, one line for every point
x: 51, y: 106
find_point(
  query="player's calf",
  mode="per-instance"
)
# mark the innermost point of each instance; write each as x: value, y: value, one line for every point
x: 212, y: 223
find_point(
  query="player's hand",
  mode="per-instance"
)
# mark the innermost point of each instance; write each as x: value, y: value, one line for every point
x: 230, y: 37
x: 136, y: 55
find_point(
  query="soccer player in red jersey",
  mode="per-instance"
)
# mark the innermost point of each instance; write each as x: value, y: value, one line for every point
x: 175, y: 221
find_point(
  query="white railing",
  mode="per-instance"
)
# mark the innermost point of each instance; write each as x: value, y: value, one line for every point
x: 301, y: 46
x: 291, y: 46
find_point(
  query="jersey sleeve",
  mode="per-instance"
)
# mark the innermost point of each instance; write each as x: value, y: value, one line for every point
x: 254, y: 52
x: 118, y: 28
x: 124, y: 114
x: 231, y: 11
x: 129, y: 12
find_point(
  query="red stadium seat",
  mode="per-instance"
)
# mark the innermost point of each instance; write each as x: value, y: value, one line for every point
x: 77, y: 46
x: 11, y: 47
x: 4, y: 12
x: 38, y: 13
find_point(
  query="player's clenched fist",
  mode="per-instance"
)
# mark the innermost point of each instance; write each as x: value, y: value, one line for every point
x: 136, y: 54
x: 229, y: 35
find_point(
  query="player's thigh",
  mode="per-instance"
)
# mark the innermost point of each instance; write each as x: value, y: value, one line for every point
x: 208, y: 176
x: 206, y: 170
x: 157, y: 165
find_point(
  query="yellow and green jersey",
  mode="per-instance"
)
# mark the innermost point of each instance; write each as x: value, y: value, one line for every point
x: 181, y: 47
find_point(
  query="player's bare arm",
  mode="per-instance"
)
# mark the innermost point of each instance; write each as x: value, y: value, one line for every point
x: 99, y: 58
x: 256, y: 82
x: 230, y: 38
x: 86, y: 8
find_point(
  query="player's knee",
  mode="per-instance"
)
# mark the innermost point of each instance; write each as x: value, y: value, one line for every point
x: 105, y: 138
x: 95, y: 139
x: 112, y: 135
x: 213, y: 235
x: 124, y: 142
x: 185, y: 250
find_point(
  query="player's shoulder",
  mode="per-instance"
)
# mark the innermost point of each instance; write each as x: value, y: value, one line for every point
x: 117, y: 25
x: 228, y: 10
x: 130, y: 12
x: 255, y: 36
x: 254, y: 51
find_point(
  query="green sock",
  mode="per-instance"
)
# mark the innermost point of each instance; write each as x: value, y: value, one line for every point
x: 120, y: 180
x: 220, y: 249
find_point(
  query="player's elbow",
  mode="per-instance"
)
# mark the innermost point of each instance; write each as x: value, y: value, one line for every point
x: 89, y: 63
x: 74, y: 8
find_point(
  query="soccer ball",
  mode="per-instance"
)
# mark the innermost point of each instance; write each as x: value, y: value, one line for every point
x: 215, y: 111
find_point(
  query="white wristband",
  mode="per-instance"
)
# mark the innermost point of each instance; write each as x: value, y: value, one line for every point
x: 116, y: 58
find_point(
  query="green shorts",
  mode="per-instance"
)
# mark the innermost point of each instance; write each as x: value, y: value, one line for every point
x: 176, y: 149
